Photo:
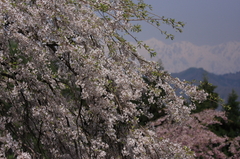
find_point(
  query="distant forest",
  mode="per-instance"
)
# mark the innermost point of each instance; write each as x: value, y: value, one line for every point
x: 225, y: 83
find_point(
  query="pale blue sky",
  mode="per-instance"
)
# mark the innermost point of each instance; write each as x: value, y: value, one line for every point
x: 208, y: 22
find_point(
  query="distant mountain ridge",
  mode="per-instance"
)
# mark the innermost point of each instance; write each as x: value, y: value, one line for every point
x: 225, y: 83
x: 219, y: 59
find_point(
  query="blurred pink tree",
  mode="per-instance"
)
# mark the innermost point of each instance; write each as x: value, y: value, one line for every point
x: 195, y: 134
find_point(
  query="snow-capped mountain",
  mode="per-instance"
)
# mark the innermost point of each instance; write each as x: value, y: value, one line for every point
x: 179, y: 56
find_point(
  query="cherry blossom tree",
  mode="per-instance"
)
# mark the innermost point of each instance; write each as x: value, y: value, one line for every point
x: 72, y: 86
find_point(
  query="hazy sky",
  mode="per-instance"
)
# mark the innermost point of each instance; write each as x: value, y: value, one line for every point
x: 208, y: 22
